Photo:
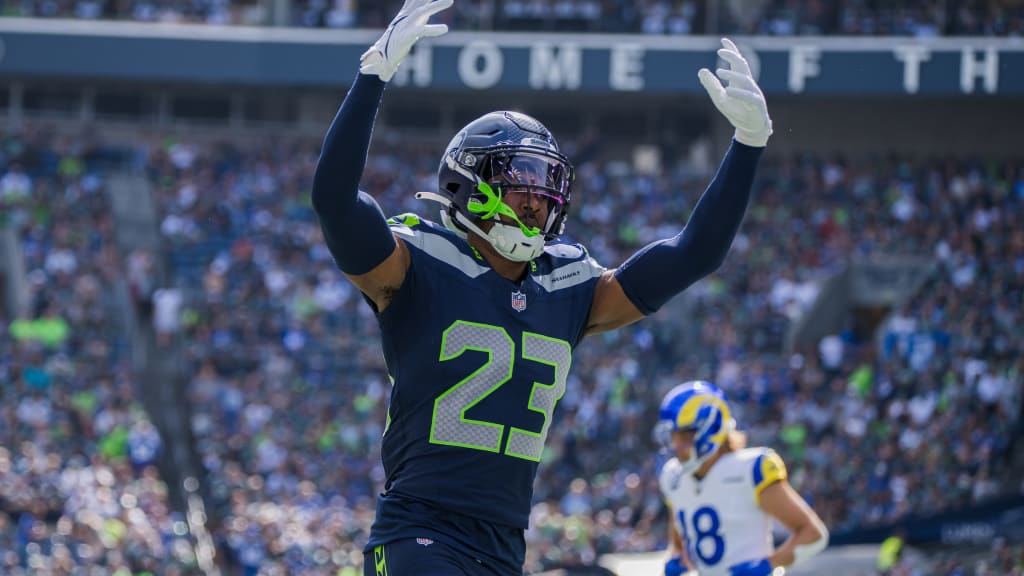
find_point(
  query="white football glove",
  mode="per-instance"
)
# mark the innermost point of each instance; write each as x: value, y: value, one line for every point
x: 742, y: 102
x: 383, y: 58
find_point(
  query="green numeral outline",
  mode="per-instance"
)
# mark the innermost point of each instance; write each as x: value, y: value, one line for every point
x: 463, y: 432
x: 558, y: 386
x: 444, y: 403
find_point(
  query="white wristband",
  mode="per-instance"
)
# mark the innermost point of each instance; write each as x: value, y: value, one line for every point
x: 804, y: 551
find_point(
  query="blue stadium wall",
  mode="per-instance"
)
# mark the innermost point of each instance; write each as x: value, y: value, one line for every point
x: 925, y: 95
x: 495, y: 61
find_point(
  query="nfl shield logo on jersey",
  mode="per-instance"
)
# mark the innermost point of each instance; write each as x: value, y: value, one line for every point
x: 518, y: 301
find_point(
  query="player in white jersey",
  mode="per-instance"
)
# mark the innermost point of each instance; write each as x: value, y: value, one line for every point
x: 723, y: 497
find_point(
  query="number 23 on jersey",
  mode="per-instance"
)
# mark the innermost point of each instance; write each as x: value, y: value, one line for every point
x: 450, y: 425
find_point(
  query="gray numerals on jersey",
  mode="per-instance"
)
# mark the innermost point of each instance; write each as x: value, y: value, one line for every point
x: 450, y: 425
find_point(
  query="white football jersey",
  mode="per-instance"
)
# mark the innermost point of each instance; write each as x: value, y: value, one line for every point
x: 719, y: 516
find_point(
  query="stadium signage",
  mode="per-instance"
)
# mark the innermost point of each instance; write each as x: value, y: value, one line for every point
x: 968, y: 532
x: 464, y: 61
x: 800, y: 67
x: 973, y: 524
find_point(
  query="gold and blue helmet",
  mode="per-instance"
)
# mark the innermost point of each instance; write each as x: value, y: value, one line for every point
x: 697, y: 406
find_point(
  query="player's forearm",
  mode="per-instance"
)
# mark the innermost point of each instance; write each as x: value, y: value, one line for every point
x: 667, y: 267
x: 343, y: 155
x: 718, y: 214
x: 809, y: 540
x: 676, y: 551
x: 353, y: 225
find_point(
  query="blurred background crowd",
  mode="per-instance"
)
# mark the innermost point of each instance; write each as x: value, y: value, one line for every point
x: 925, y: 18
x: 77, y: 481
x: 288, y: 388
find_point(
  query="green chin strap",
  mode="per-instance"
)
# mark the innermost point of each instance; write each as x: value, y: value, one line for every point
x: 494, y: 206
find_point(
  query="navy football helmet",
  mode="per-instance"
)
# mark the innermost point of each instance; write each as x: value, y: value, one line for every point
x: 499, y: 153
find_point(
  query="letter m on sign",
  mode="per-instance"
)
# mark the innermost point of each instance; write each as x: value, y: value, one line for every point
x: 556, y: 67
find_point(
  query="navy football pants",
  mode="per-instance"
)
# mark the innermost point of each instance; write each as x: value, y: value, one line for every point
x: 421, y: 557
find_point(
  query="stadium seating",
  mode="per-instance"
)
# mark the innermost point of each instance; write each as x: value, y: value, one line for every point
x: 78, y: 485
x: 765, y: 17
x: 291, y: 450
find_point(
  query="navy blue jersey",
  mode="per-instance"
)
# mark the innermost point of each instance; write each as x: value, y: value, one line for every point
x: 478, y: 364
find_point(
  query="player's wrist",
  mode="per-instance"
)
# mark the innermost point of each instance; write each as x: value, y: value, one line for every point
x: 753, y: 138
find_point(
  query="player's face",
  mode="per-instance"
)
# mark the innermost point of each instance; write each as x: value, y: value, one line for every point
x: 682, y: 443
x: 528, y: 184
x: 532, y: 208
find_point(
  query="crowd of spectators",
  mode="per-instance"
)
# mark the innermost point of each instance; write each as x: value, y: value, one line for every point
x: 78, y: 485
x: 926, y: 18
x: 289, y: 391
x: 290, y: 388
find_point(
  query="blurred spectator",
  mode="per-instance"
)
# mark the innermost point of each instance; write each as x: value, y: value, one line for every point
x: 890, y: 551
x: 167, y: 314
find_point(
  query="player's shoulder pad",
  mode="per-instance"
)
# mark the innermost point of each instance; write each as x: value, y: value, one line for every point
x: 437, y: 243
x: 768, y: 469
x: 413, y: 227
x: 565, y: 250
x: 669, y: 476
x: 413, y: 222
x: 564, y: 265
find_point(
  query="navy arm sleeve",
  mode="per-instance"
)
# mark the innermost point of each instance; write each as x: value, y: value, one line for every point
x: 354, y: 227
x: 662, y: 269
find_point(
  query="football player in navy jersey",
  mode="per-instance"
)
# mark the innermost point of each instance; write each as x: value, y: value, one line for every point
x: 480, y: 313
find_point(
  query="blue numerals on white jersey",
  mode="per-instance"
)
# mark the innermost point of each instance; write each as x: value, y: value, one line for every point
x: 707, y: 543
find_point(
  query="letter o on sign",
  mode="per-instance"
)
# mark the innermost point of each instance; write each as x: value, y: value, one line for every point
x: 481, y: 65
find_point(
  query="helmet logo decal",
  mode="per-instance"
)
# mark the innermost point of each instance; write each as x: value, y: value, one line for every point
x: 518, y: 301
x: 538, y: 143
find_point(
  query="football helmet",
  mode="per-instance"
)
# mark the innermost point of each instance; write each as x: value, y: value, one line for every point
x: 697, y: 406
x: 492, y: 156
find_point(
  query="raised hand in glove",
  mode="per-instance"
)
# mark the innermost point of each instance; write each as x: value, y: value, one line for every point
x: 383, y: 58
x: 740, y: 100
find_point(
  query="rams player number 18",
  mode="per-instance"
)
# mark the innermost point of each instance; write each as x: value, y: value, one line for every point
x: 724, y: 497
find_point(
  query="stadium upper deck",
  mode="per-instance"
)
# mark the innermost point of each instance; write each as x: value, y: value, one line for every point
x: 924, y: 18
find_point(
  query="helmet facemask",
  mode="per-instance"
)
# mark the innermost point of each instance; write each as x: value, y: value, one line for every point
x: 537, y: 175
